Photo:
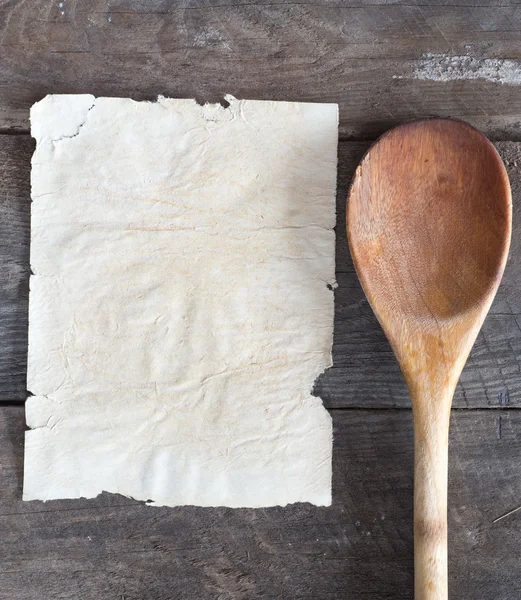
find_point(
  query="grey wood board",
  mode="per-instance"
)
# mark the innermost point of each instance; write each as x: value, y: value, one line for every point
x: 365, y: 372
x: 360, y: 548
x: 360, y: 54
x: 15, y: 207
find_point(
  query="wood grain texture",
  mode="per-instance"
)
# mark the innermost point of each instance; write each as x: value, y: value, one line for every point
x: 360, y: 54
x: 429, y: 217
x: 361, y: 547
x: 15, y: 206
x: 365, y: 372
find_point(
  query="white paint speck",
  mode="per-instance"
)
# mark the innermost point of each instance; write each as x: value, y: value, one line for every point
x: 109, y: 19
x: 89, y: 538
x: 62, y: 12
x: 210, y: 36
x: 443, y: 67
x: 60, y: 4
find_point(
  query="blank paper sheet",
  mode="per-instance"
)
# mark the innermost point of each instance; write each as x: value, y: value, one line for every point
x: 181, y: 302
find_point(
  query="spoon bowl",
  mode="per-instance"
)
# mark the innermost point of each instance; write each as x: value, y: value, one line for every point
x: 429, y: 222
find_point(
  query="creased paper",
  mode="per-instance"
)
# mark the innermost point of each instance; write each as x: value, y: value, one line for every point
x: 181, y: 302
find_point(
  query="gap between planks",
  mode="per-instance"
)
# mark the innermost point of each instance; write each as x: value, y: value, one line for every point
x: 21, y: 403
x: 342, y: 139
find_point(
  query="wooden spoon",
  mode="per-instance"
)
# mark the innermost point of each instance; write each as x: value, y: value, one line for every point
x: 429, y: 221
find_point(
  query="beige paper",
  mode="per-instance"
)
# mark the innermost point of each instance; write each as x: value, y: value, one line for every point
x: 181, y: 304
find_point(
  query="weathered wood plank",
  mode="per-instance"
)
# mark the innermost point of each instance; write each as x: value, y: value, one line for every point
x: 353, y: 53
x: 361, y: 547
x: 15, y: 206
x: 365, y: 372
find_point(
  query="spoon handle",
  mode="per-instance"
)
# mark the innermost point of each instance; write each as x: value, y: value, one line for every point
x: 431, y: 427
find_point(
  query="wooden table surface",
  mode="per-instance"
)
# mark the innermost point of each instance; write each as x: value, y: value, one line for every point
x: 383, y: 61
